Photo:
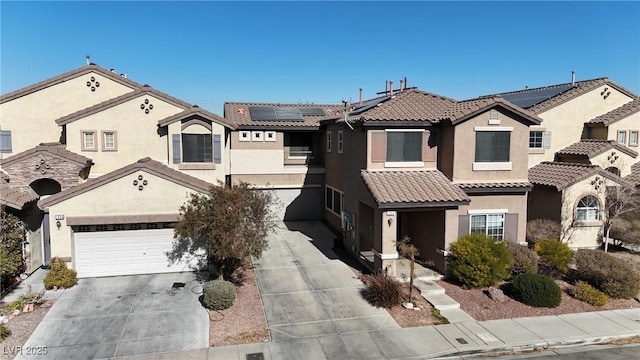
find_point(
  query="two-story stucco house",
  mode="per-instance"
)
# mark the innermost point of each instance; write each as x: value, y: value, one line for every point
x: 111, y: 162
x: 428, y: 167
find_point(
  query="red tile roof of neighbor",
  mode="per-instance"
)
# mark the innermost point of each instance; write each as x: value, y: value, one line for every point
x: 12, y: 197
x: 237, y: 114
x: 634, y: 177
x: 562, y: 175
x: 147, y: 164
x: 415, y: 189
x: 594, y: 147
x: 617, y: 114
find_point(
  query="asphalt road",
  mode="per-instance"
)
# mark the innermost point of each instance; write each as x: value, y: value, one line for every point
x: 592, y: 352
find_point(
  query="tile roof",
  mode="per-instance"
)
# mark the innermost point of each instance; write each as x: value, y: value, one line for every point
x: 237, y: 114
x: 579, y: 88
x: 13, y: 197
x: 147, y: 164
x: 617, y: 114
x: 634, y: 176
x: 524, y: 185
x: 54, y: 149
x: 67, y: 76
x: 562, y: 175
x: 463, y: 110
x: 594, y: 147
x: 412, y: 189
x: 145, y: 90
x: 198, y: 112
x: 406, y: 105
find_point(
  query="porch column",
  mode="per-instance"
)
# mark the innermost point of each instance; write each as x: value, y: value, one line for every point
x: 385, y: 257
x: 451, y: 235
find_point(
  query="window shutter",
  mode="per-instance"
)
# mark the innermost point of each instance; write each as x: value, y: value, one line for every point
x: 175, y: 140
x: 546, y: 140
x: 5, y: 141
x: 511, y: 227
x: 463, y: 225
x: 217, y: 149
x: 378, y: 147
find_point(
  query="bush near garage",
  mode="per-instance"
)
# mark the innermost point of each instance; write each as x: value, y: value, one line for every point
x: 536, y: 290
x: 479, y: 261
x: 524, y: 259
x: 610, y: 275
x: 219, y: 294
x: 60, y: 276
x: 555, y: 257
x: 587, y: 293
x: 540, y: 229
x: 382, y: 290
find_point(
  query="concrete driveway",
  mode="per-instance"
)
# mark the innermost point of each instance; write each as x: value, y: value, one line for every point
x: 307, y: 291
x: 124, y: 315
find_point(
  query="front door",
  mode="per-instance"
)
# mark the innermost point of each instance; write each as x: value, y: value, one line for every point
x: 46, y: 236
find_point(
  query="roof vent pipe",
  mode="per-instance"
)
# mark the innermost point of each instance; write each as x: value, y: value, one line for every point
x: 401, y: 84
x: 573, y: 78
x: 360, y: 101
x: 405, y: 82
x: 386, y: 86
x: 88, y: 57
x: 390, y: 87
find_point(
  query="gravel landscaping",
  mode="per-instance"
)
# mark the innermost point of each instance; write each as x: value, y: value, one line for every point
x: 411, y: 317
x: 22, y: 326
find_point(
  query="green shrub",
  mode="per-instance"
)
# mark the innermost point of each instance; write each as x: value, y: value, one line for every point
x: 382, y: 290
x: 219, y: 294
x: 4, y: 332
x: 540, y: 229
x: 587, y: 293
x: 479, y: 261
x: 610, y: 275
x: 524, y: 259
x: 536, y: 290
x: 19, y: 303
x: 60, y: 275
x: 554, y: 255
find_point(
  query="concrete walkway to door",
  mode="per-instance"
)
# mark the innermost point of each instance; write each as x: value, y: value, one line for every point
x: 307, y: 291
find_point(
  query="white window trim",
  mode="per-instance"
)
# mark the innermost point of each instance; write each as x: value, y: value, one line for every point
x: 328, y: 140
x: 257, y: 136
x: 493, y: 128
x: 244, y: 139
x: 487, y: 211
x: 637, y: 137
x: 104, y: 140
x: 623, y: 132
x: 271, y: 139
x: 83, y: 143
x: 405, y: 130
x: 502, y: 212
x: 489, y: 166
x: 334, y: 190
x: 401, y: 164
x: 340, y: 141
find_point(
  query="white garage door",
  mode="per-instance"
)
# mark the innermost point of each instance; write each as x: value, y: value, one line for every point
x: 299, y: 204
x: 110, y: 253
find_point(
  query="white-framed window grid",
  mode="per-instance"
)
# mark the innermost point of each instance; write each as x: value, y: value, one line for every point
x: 622, y: 137
x: 491, y: 224
x: 340, y: 141
x: 109, y: 140
x: 333, y: 200
x: 633, y: 138
x: 88, y: 140
x: 588, y: 209
x: 328, y: 140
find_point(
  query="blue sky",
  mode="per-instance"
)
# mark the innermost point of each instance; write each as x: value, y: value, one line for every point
x: 210, y: 52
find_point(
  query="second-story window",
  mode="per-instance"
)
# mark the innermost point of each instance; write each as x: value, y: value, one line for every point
x: 197, y: 148
x: 328, y: 140
x: 404, y: 146
x: 340, y: 141
x: 493, y: 146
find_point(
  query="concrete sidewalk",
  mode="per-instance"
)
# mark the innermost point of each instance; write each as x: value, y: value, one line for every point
x: 438, y: 341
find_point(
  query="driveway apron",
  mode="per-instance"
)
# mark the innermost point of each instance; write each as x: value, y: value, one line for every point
x: 307, y: 291
x: 124, y: 315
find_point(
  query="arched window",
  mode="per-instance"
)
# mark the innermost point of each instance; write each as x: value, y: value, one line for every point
x: 588, y: 209
x: 614, y: 170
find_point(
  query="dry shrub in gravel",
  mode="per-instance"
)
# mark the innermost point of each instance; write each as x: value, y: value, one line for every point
x: 540, y: 229
x: 612, y: 276
x: 382, y: 290
x: 587, y: 293
x: 524, y: 259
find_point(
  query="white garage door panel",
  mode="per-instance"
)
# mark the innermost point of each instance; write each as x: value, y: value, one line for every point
x: 110, y: 253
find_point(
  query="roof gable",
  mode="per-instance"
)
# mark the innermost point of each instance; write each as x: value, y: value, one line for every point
x: 465, y: 110
x: 195, y: 112
x: 54, y: 149
x: 406, y: 105
x: 617, y: 114
x: 561, y: 175
x: 147, y: 164
x: 594, y: 147
x: 13, y: 197
x: 66, y: 77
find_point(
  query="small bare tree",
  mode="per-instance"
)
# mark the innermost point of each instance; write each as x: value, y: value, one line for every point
x: 619, y: 201
x: 410, y: 251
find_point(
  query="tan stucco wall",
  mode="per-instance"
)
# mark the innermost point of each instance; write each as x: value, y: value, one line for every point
x: 627, y: 124
x: 137, y: 134
x: 608, y: 158
x: 514, y: 204
x: 426, y: 165
x: 119, y: 197
x: 31, y: 118
x: 464, y: 156
x: 566, y: 121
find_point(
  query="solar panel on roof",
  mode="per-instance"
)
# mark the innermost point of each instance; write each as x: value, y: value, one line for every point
x: 289, y: 114
x: 530, y: 98
x: 259, y: 113
x: 311, y: 111
x: 368, y: 105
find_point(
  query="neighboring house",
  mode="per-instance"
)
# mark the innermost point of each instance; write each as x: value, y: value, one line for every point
x: 571, y: 111
x: 69, y: 140
x: 572, y: 194
x: 278, y: 147
x: 621, y: 125
x: 120, y: 223
x: 608, y: 154
x: 429, y: 167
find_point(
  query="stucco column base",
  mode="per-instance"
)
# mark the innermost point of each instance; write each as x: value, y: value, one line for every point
x: 385, y: 262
